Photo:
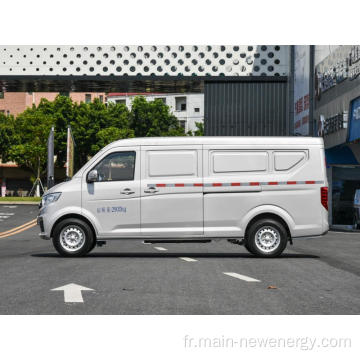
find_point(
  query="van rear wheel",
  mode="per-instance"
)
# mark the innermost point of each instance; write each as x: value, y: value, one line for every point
x: 248, y: 248
x: 266, y: 238
x: 73, y: 237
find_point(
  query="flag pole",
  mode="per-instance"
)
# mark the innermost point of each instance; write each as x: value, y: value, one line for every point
x: 50, y: 160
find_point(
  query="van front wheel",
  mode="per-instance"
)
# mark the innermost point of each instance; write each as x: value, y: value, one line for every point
x: 73, y: 237
x: 266, y: 238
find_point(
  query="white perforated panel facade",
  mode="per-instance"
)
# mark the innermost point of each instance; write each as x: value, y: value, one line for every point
x: 147, y: 60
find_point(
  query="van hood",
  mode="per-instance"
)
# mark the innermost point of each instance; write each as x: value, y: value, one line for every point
x: 61, y: 186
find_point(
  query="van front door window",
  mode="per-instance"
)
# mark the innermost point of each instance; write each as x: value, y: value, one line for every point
x: 117, y: 166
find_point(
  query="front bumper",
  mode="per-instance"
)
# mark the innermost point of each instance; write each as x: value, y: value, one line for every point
x: 42, y: 233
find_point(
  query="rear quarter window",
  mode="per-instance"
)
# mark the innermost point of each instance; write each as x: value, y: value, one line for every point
x: 287, y: 160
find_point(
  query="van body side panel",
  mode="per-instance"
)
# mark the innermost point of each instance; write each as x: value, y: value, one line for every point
x: 171, y: 191
x: 282, y: 179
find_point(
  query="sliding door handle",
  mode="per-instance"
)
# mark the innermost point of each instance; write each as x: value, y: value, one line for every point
x: 151, y: 190
x: 127, y: 192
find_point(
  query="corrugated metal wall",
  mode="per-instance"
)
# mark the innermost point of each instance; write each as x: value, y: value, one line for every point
x: 251, y: 108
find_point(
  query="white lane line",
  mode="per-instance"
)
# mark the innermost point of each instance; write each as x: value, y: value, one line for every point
x: 6, y: 213
x: 188, y: 259
x: 241, y: 277
x: 4, y: 216
x: 160, y: 248
x: 10, y: 206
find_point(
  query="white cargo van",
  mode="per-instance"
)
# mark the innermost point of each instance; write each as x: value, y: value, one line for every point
x: 261, y: 192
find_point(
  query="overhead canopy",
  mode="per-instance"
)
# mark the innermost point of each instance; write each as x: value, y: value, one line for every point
x: 343, y: 155
x: 134, y: 84
x: 101, y: 84
x: 136, y: 68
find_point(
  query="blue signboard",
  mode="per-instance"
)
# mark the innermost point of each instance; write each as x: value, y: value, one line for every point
x: 354, y: 130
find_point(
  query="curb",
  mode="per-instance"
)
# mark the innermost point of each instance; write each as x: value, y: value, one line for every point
x: 344, y: 230
x: 19, y: 203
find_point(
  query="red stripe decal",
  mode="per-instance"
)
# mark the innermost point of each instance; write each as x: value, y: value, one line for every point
x: 239, y: 184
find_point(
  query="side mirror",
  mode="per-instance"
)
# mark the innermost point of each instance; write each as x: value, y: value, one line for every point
x: 92, y: 176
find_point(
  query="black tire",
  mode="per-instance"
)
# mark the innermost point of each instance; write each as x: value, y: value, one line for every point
x: 248, y: 248
x: 271, y: 228
x: 73, y: 227
x: 92, y: 246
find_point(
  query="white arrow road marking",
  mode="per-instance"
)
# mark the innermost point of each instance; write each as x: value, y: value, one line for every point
x: 72, y: 292
x: 4, y: 216
x: 187, y: 259
x: 241, y: 277
x: 160, y: 248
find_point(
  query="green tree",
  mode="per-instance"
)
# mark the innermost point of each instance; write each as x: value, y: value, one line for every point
x: 87, y: 122
x: 111, y: 134
x: 63, y: 111
x: 94, y: 125
x: 153, y: 118
x: 199, y: 130
x: 30, y: 152
x: 90, y: 121
x: 8, y: 136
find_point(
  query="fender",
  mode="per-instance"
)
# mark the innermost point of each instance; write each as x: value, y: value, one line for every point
x: 92, y: 219
x: 262, y: 209
x: 68, y: 211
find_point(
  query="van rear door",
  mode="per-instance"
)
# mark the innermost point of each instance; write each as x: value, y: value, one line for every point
x: 171, y: 191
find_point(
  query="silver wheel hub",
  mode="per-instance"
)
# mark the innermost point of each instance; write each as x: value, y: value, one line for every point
x: 72, y: 238
x: 267, y: 239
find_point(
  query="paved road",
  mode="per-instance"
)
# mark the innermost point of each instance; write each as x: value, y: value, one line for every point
x: 315, y: 276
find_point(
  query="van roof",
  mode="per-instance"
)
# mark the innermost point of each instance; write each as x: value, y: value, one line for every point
x: 220, y: 140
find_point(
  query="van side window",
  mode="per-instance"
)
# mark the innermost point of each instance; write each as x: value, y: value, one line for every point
x: 233, y: 161
x: 117, y: 166
x: 286, y: 160
x: 171, y: 163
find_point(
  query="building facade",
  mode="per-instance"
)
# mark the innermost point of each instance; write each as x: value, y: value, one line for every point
x: 14, y: 103
x: 337, y: 119
x: 246, y: 87
x: 188, y: 108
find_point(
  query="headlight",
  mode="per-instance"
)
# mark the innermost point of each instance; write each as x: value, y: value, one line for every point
x: 49, y: 198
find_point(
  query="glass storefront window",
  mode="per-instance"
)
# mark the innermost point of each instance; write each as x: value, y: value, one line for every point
x: 346, y: 180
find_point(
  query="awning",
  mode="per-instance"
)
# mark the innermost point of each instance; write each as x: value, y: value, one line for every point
x: 343, y: 155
